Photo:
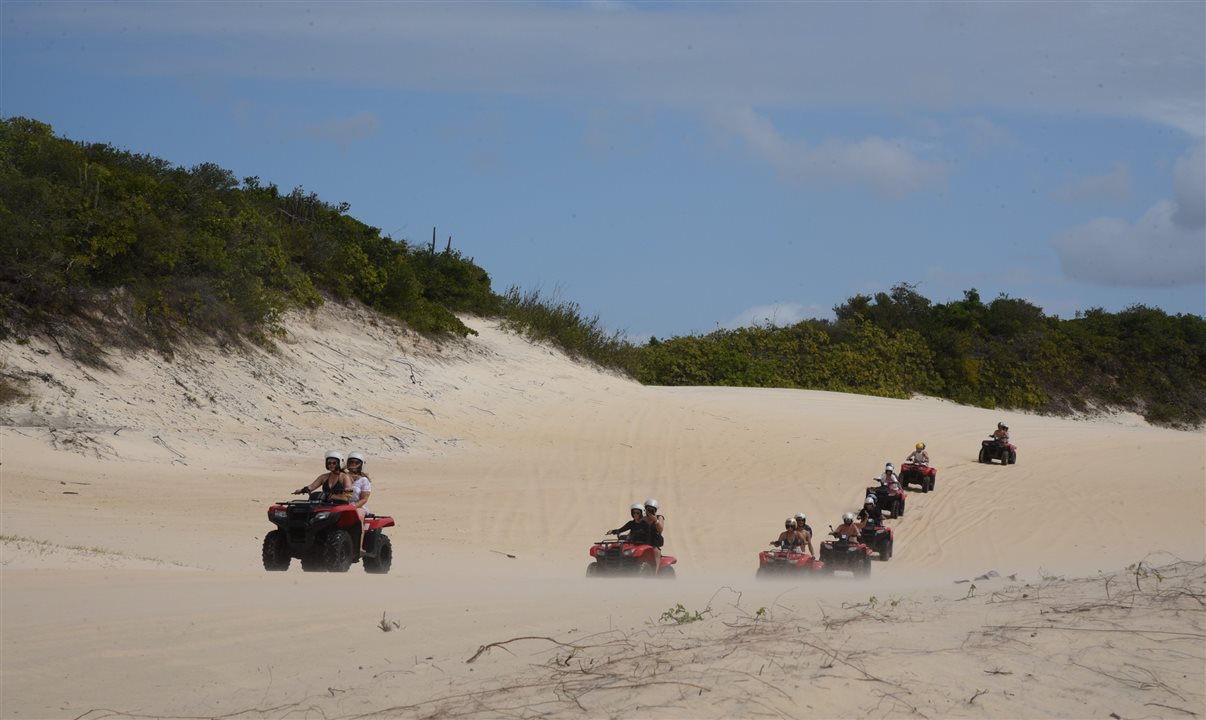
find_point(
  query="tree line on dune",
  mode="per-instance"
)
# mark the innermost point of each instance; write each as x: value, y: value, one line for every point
x: 91, y: 234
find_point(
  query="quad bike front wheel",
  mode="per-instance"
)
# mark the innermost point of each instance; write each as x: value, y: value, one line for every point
x: 885, y: 552
x: 380, y: 564
x: 666, y: 573
x: 592, y: 570
x: 1013, y: 457
x: 929, y: 487
x: 984, y: 455
x: 276, y: 552
x: 337, y: 551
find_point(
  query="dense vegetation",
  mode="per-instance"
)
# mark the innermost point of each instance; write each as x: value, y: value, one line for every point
x: 90, y: 233
x: 1005, y: 353
x: 197, y: 248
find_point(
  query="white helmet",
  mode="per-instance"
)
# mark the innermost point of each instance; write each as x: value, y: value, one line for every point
x: 637, y: 507
x: 651, y: 503
x: 356, y: 456
x: 335, y: 454
x: 848, y: 517
x: 790, y: 522
x: 800, y: 518
x: 888, y: 467
x: 870, y: 500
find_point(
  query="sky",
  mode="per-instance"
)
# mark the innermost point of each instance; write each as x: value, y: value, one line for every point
x: 674, y: 168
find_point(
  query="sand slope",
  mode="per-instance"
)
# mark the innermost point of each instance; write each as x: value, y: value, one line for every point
x: 133, y: 508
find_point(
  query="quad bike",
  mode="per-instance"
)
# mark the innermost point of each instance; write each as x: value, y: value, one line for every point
x: 845, y: 553
x: 325, y: 535
x: 620, y: 557
x: 889, y: 497
x: 923, y: 475
x: 997, y: 449
x: 787, y: 562
x: 880, y: 539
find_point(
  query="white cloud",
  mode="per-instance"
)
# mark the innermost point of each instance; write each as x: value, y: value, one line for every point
x: 1153, y: 252
x: 345, y: 131
x: 1114, y: 185
x: 1165, y: 248
x: 778, y: 314
x: 892, y: 167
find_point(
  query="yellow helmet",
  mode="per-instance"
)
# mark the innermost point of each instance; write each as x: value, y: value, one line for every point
x: 921, y: 446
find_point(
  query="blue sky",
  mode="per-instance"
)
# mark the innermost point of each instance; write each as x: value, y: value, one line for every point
x: 678, y: 167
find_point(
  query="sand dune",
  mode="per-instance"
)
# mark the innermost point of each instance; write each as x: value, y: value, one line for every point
x: 133, y: 506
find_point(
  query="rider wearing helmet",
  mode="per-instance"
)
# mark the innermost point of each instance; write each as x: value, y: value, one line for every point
x: 1001, y: 433
x: 790, y: 538
x: 870, y: 515
x: 362, y: 487
x: 657, y: 528
x: 805, y: 531
x: 637, y: 528
x: 848, y: 528
x: 802, y: 523
x: 889, y: 476
x: 919, y: 456
x: 334, y: 482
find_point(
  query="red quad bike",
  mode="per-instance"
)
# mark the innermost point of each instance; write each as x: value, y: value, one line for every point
x: 879, y: 539
x: 846, y: 554
x: 995, y: 449
x: 791, y: 562
x: 923, y: 475
x: 325, y: 535
x: 620, y: 557
x: 889, y: 498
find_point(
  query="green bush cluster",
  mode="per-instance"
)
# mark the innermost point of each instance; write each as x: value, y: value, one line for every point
x: 1005, y: 353
x: 196, y: 248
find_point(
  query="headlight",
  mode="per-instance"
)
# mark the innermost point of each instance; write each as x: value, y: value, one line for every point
x: 322, y: 516
x: 279, y: 514
x: 628, y: 552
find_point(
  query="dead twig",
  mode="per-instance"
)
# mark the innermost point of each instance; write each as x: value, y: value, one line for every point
x: 500, y: 644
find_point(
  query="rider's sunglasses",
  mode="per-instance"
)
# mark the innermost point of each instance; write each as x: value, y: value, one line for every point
x: 332, y: 460
x: 354, y: 462
x: 650, y: 510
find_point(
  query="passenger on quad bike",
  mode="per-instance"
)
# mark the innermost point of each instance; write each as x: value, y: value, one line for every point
x: 919, y: 456
x: 848, y: 528
x: 334, y: 482
x: 657, y: 526
x: 802, y: 523
x: 792, y: 537
x: 870, y: 515
x: 1001, y: 433
x: 637, y: 528
x: 362, y: 487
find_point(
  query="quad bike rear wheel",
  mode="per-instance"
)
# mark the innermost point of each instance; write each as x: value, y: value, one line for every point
x: 929, y: 487
x: 337, y: 551
x: 862, y: 567
x: 380, y: 564
x: 276, y: 551
x: 898, y: 510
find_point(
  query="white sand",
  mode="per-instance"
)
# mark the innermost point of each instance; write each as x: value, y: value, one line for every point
x: 133, y: 507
